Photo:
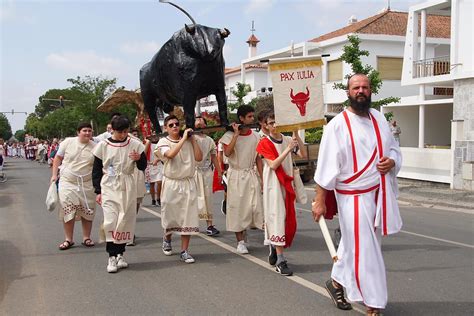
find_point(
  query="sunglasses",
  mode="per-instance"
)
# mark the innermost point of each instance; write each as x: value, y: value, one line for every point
x: 171, y: 125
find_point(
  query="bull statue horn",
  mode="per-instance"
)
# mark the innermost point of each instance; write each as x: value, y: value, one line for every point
x: 181, y: 9
x: 291, y: 94
x: 190, y: 29
x: 224, y: 33
x: 307, y: 91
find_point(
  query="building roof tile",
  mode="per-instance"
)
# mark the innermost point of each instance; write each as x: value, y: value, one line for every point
x: 392, y: 23
x: 250, y: 66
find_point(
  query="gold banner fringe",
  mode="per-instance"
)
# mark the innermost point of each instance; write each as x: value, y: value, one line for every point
x: 295, y: 65
x: 304, y: 125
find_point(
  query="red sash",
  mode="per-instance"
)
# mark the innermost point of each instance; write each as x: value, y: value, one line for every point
x: 268, y: 150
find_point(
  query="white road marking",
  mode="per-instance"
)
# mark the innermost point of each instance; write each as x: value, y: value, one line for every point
x: 299, y: 280
x: 439, y: 239
x: 415, y: 234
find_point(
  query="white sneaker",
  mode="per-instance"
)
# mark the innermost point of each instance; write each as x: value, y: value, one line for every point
x: 186, y: 257
x: 246, y: 239
x: 121, y: 263
x: 241, y: 248
x: 112, y: 265
x: 167, y: 250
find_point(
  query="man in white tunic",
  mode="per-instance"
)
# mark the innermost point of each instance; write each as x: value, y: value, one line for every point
x: 278, y: 190
x: 205, y: 174
x: 180, y: 201
x: 359, y: 159
x: 154, y: 172
x: 244, y: 197
x: 76, y: 194
x: 115, y: 183
x: 140, y: 177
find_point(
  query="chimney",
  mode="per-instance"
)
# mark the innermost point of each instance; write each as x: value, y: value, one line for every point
x: 252, y: 41
x: 352, y: 20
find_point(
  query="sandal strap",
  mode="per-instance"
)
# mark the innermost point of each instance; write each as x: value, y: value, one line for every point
x: 340, y: 295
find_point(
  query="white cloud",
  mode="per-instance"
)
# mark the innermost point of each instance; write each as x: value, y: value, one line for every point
x: 257, y: 6
x: 86, y: 63
x: 140, y: 47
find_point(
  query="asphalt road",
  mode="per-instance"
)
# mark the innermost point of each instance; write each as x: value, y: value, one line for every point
x: 429, y: 265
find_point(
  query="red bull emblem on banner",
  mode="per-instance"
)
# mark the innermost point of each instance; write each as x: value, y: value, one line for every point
x: 300, y: 100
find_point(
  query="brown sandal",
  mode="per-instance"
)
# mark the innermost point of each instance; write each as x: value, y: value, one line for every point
x: 66, y: 245
x: 374, y: 312
x: 88, y: 243
x: 337, y: 296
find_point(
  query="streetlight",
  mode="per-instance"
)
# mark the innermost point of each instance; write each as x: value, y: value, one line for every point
x: 14, y: 112
x: 60, y: 100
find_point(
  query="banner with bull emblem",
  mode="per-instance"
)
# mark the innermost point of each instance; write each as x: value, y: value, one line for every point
x: 297, y: 93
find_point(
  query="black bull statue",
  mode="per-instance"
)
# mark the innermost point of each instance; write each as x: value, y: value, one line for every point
x: 188, y: 67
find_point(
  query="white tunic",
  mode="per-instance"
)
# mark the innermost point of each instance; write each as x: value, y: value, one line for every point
x: 244, y: 197
x: 76, y: 193
x: 360, y: 268
x: 180, y: 203
x: 274, y: 197
x: 205, y: 174
x: 154, y: 173
x: 119, y: 188
x: 140, y: 176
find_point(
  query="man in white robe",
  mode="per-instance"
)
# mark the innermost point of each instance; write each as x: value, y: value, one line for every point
x: 278, y: 191
x: 244, y: 197
x: 205, y: 175
x: 180, y: 201
x: 359, y: 159
x: 115, y: 183
x: 76, y: 194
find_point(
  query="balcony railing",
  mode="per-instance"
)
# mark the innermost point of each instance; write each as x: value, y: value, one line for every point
x: 431, y: 67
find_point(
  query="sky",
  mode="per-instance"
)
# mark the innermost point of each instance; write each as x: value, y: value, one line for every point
x: 43, y: 43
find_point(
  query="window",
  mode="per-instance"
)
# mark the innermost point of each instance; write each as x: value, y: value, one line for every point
x: 390, y: 68
x: 334, y: 70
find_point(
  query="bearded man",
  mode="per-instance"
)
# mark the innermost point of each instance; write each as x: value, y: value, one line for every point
x: 359, y: 159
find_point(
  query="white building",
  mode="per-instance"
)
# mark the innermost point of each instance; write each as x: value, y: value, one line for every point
x: 383, y: 36
x: 440, y: 116
x: 256, y: 77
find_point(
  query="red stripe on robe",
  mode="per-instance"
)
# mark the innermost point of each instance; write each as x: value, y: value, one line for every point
x: 268, y: 150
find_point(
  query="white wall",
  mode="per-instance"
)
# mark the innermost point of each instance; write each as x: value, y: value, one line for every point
x: 438, y: 124
x: 426, y: 164
x: 381, y: 48
x: 442, y: 50
x: 407, y: 119
x: 256, y: 78
x: 462, y: 47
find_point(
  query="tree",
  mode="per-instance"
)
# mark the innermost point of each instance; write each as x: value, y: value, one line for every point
x: 51, y: 120
x: 352, y: 54
x: 264, y: 103
x: 5, y: 128
x: 242, y: 90
x: 94, y: 90
x: 20, y: 135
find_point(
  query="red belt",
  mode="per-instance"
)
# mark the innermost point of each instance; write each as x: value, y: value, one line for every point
x: 355, y: 192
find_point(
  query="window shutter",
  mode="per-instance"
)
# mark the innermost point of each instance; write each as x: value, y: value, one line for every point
x: 390, y: 68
